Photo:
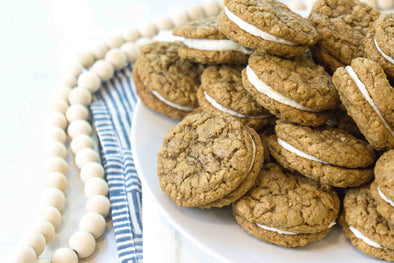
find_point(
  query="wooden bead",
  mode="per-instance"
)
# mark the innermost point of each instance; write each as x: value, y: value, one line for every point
x: 64, y: 255
x: 83, y: 243
x: 164, y: 23
x: 211, y: 8
x: 148, y: 30
x: 22, y: 254
x: 116, y: 58
x: 297, y: 5
x: 56, y: 119
x: 91, y: 170
x: 93, y: 223
x: 131, y: 35
x: 85, y: 58
x: 55, y: 148
x: 80, y: 95
x: 90, y: 81
x: 143, y: 41
x: 74, y: 69
x: 86, y: 155
x: 77, y: 112
x: 385, y: 4
x: 99, y: 50
x: 67, y: 80
x: 221, y: 3
x: 131, y: 50
x: 57, y: 180
x: 55, y: 164
x: 51, y: 214
x: 58, y: 105
x: 195, y: 12
x: 95, y: 186
x: 103, y: 69
x: 42, y: 260
x: 53, y: 133
x: 61, y: 92
x: 79, y: 127
x: 179, y: 18
x: 53, y: 197
x: 45, y: 228
x: 80, y: 142
x: 98, y: 204
x: 115, y: 41
x: 35, y: 240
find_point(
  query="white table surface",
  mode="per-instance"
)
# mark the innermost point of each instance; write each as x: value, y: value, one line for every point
x: 38, y: 41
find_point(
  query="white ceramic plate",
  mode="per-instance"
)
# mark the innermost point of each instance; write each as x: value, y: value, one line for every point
x: 215, y: 230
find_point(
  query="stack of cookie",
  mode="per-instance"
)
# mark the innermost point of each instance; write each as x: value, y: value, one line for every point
x: 260, y: 67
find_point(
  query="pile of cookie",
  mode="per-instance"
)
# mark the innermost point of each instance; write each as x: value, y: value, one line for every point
x: 280, y: 114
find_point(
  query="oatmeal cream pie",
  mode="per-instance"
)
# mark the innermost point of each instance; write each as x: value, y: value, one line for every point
x: 382, y: 189
x: 367, y: 230
x: 287, y: 209
x: 164, y: 82
x: 209, y: 160
x: 222, y: 91
x: 204, y: 43
x: 343, y: 25
x: 267, y: 26
x: 368, y: 98
x: 324, y: 58
x: 295, y: 90
x: 379, y: 43
x: 323, y: 154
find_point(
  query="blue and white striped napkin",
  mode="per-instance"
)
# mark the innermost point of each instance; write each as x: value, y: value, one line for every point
x: 112, y: 111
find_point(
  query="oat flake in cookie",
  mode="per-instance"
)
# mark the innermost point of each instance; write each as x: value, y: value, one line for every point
x: 343, y: 25
x: 379, y: 43
x: 295, y: 90
x: 324, y: 154
x: 287, y: 209
x: 164, y: 82
x: 222, y: 91
x: 204, y: 43
x: 267, y: 26
x: 367, y: 230
x: 382, y: 189
x: 369, y: 99
x: 208, y: 160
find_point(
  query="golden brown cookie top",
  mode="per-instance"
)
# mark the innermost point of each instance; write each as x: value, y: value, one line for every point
x: 384, y: 33
x: 384, y: 171
x: 203, y: 158
x: 343, y: 25
x: 160, y: 69
x: 204, y: 28
x: 275, y: 18
x: 289, y: 202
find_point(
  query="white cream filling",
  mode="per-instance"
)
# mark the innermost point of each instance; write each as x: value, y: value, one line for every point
x: 365, y: 239
x: 169, y: 103
x: 388, y: 58
x: 273, y: 94
x: 254, y: 30
x: 216, y: 45
x: 365, y: 93
x: 385, y: 198
x: 254, y: 154
x: 231, y: 112
x: 294, y: 150
x: 283, y: 232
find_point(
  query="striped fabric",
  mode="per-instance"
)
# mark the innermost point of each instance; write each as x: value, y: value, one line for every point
x: 112, y: 111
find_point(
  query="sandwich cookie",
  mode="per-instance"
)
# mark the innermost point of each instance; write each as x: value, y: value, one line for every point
x: 208, y: 160
x: 296, y: 90
x: 221, y: 91
x: 367, y: 230
x: 204, y: 43
x: 368, y: 98
x: 164, y: 82
x: 382, y: 189
x: 325, y: 59
x: 325, y: 155
x: 379, y: 43
x: 287, y: 209
x: 268, y: 26
x: 343, y: 25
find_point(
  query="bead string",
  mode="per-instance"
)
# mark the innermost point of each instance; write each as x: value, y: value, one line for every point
x: 69, y: 114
